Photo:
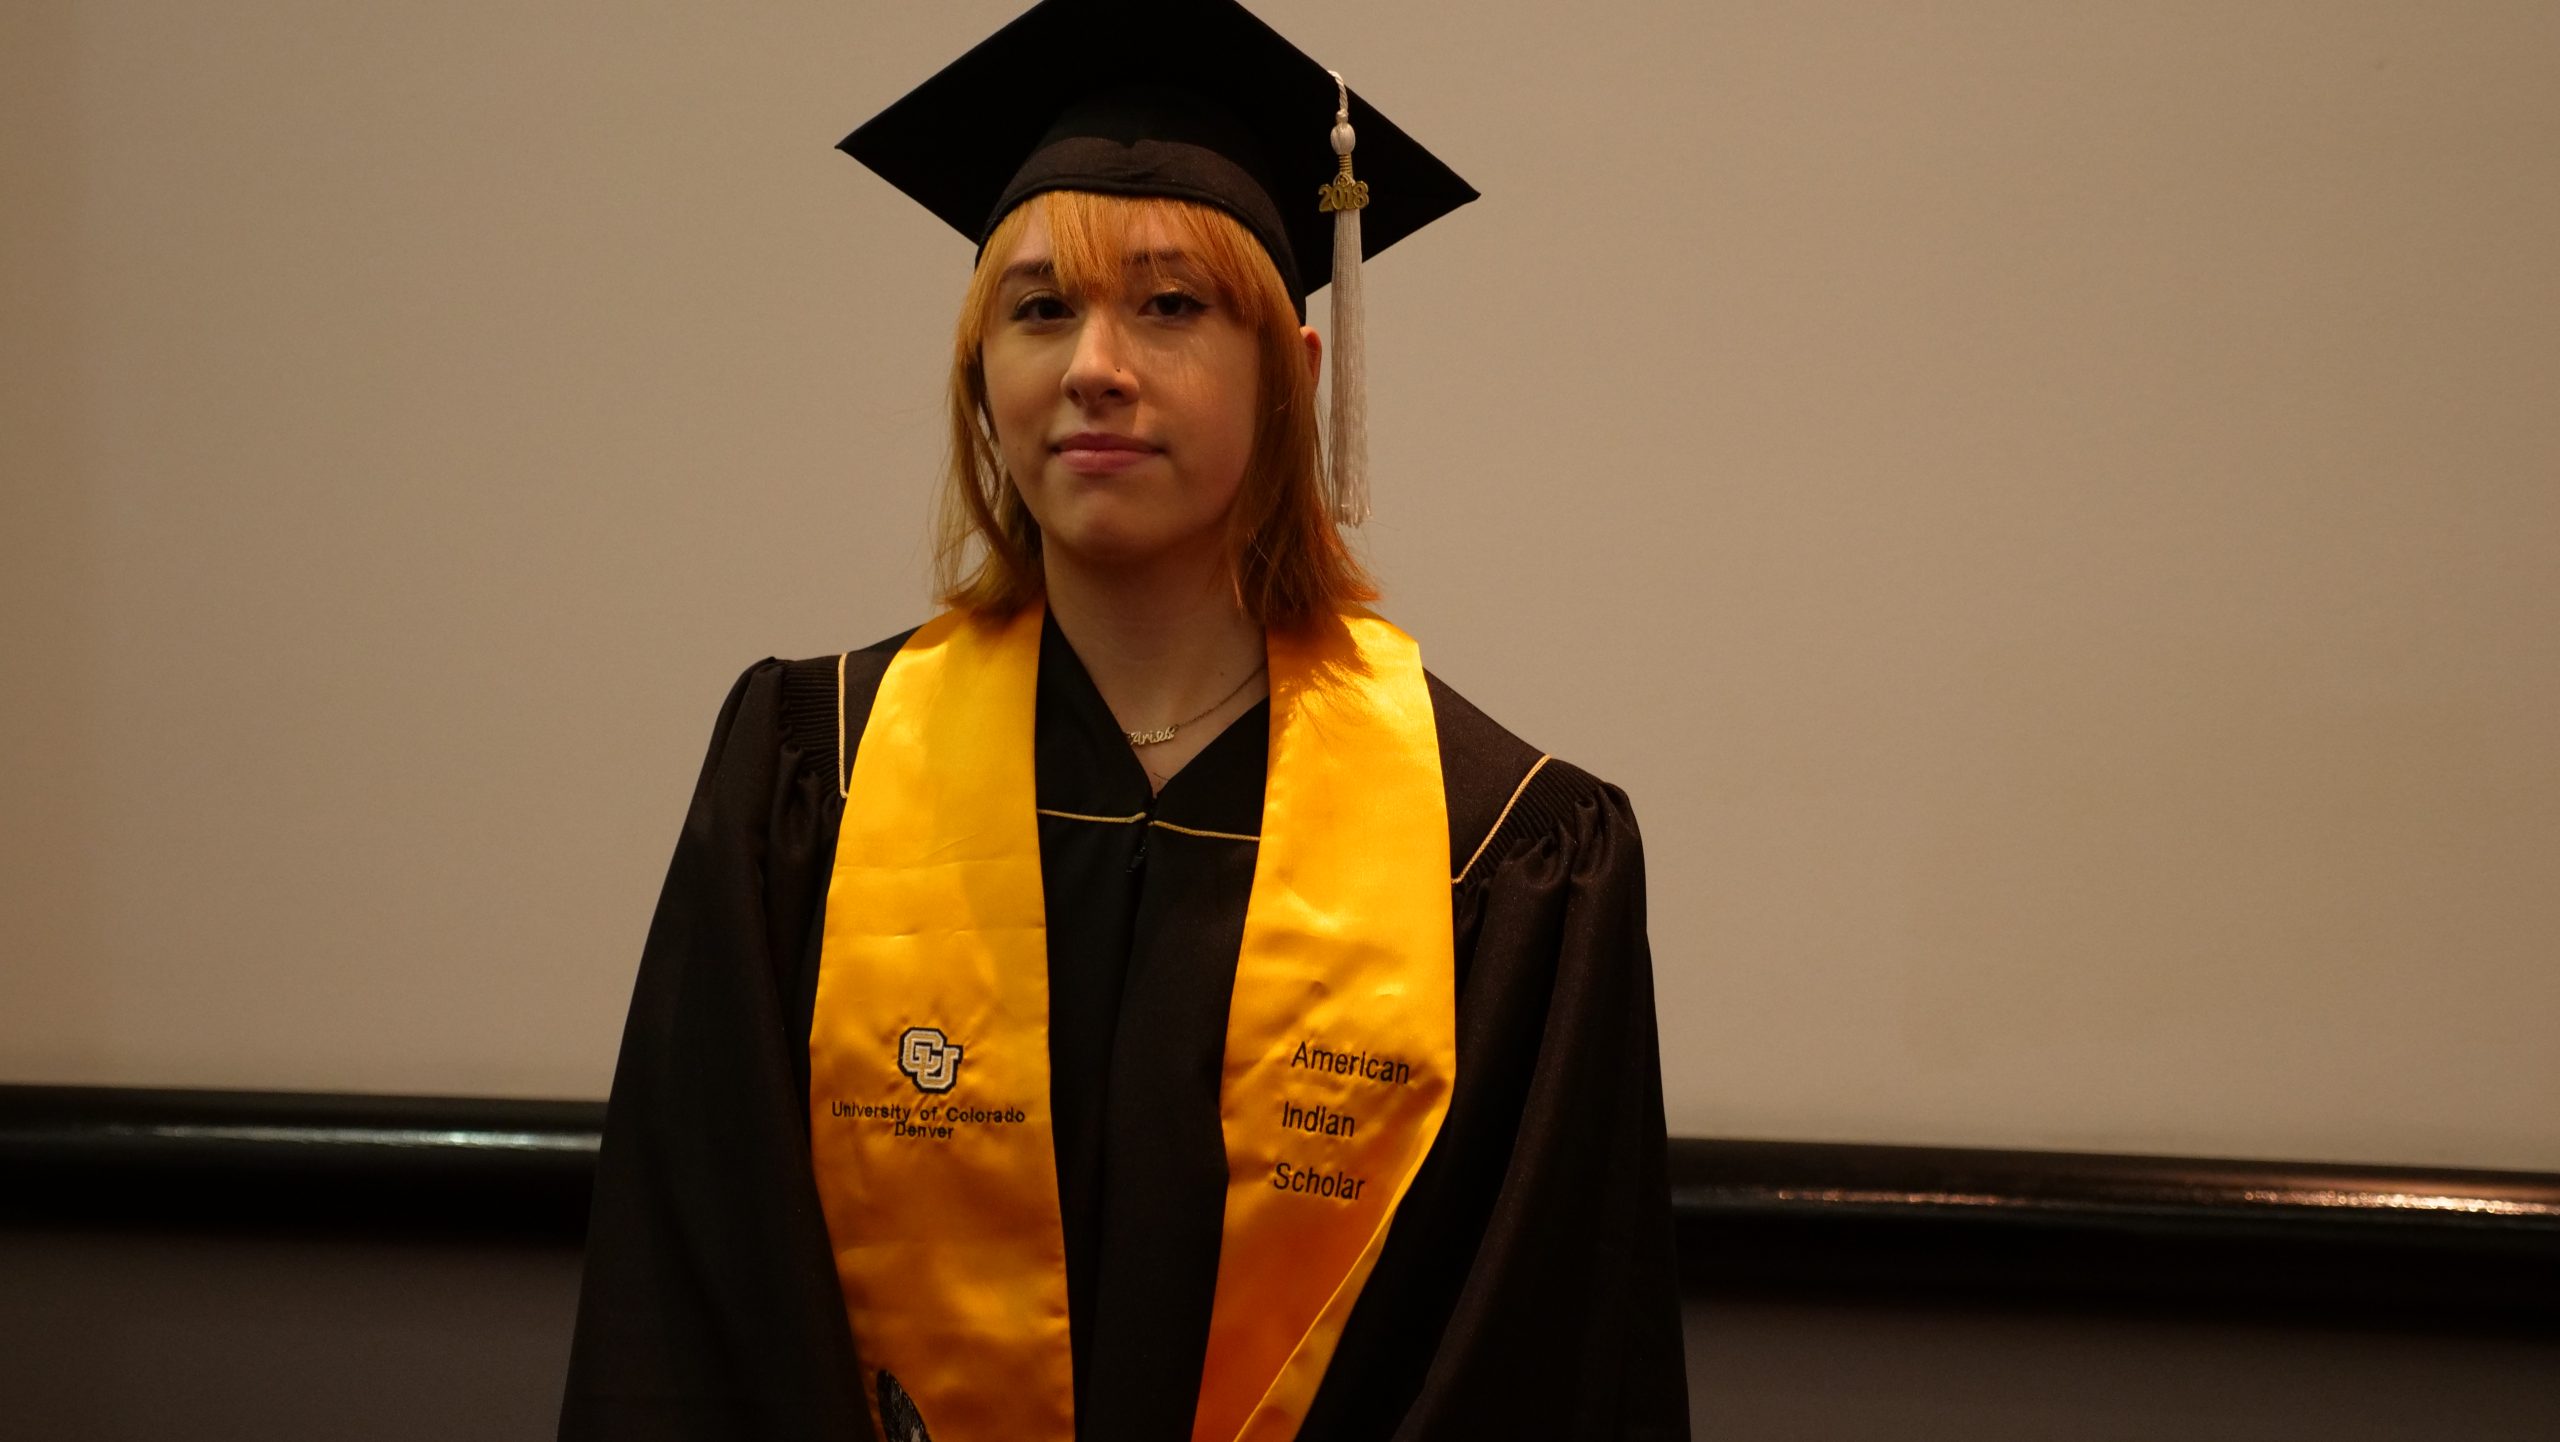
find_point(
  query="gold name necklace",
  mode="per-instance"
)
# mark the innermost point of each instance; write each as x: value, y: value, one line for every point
x: 1163, y: 734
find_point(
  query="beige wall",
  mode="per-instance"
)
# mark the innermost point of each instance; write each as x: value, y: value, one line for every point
x: 2048, y: 508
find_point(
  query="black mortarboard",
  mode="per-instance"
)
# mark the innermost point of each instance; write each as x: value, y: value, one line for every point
x: 1196, y: 99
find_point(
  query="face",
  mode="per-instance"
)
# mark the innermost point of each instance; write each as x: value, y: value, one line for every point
x: 1126, y: 419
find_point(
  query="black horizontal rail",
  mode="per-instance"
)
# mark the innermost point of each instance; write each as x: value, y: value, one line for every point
x: 2357, y: 1243
x: 298, y: 1161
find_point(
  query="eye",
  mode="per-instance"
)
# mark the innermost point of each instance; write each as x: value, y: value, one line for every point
x: 1174, y: 304
x: 1040, y: 306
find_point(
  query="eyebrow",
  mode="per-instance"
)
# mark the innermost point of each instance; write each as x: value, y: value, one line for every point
x: 1048, y: 269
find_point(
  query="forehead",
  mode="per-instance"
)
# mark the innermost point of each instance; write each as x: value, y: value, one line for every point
x: 1147, y: 241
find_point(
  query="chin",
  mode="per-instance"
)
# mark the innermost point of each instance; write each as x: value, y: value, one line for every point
x: 1128, y: 521
x: 1107, y: 544
x: 1122, y: 535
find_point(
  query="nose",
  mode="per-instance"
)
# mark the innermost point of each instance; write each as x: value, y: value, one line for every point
x: 1099, y: 374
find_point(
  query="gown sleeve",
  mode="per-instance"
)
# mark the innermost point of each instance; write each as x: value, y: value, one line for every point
x: 1537, y: 1244
x: 709, y: 1306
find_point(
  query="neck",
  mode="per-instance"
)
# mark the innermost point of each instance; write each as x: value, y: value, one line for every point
x: 1161, y: 641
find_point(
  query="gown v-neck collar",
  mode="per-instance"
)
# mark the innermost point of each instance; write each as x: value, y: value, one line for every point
x: 1085, y: 766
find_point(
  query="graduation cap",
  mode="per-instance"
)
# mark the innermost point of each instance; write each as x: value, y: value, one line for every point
x: 1193, y: 99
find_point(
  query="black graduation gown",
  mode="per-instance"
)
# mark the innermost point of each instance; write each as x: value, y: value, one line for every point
x: 1527, y: 1285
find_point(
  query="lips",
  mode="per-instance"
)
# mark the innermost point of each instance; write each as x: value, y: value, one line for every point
x: 1102, y: 441
x: 1101, y: 453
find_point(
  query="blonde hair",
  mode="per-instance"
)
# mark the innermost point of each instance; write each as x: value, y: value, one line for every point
x: 1288, y: 563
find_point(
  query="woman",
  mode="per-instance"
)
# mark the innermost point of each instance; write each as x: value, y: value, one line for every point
x: 1140, y: 1003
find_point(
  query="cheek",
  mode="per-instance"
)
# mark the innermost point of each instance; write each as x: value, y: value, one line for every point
x: 1020, y: 396
x: 1228, y: 408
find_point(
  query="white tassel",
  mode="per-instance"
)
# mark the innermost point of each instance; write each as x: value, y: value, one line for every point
x: 1345, y: 197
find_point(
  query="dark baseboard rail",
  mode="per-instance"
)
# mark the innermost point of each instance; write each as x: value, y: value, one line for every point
x: 2354, y: 1244
x: 2357, y: 1245
x: 298, y: 1161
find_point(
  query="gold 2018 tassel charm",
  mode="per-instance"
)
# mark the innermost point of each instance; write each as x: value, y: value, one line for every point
x: 1342, y: 192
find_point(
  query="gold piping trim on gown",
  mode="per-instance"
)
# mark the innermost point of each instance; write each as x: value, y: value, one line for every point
x: 844, y: 773
x: 1497, y: 821
x: 1213, y: 835
x: 1107, y: 820
x: 1142, y: 816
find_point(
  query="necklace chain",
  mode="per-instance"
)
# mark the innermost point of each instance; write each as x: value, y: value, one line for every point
x: 1163, y: 734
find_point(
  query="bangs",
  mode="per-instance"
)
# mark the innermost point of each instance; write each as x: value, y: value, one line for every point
x: 1092, y: 237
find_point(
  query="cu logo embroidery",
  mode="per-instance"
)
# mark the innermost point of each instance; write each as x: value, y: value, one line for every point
x: 928, y: 1058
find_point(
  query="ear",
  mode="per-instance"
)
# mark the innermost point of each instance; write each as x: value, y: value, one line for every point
x: 1315, y: 353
